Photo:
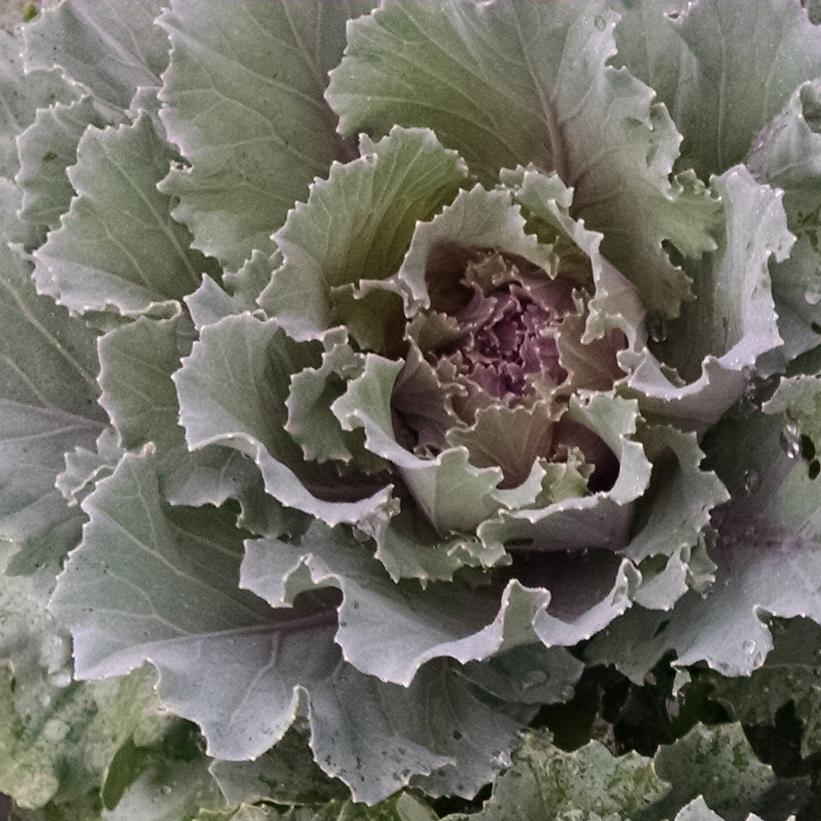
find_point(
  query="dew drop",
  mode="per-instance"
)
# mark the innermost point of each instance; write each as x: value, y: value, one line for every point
x: 600, y: 22
x: 791, y: 440
x: 751, y: 480
x: 812, y: 296
x: 657, y: 328
x: 748, y: 646
x: 166, y: 789
x: 535, y: 678
x: 457, y: 735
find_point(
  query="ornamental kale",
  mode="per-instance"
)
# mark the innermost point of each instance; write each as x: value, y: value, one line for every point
x: 384, y: 388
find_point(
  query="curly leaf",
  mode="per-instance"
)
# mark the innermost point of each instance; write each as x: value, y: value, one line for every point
x: 48, y: 396
x: 110, y: 48
x: 536, y: 95
x: 353, y: 232
x: 118, y: 247
x: 260, y: 70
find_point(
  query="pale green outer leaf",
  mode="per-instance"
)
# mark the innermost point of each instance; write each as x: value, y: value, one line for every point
x: 48, y: 406
x: 717, y: 763
x: 548, y: 783
x: 177, y: 606
x: 671, y: 516
x: 259, y: 69
x: 738, y: 64
x: 650, y: 47
x: 168, y: 791
x: 477, y: 218
x: 47, y: 148
x: 111, y: 48
x: 787, y: 154
x: 311, y: 423
x: 541, y: 93
x: 390, y: 630
x: 240, y: 669
x: 733, y: 320
x: 354, y: 231
x: 20, y: 98
x: 232, y: 391
x: 791, y: 673
x: 386, y: 629
x: 769, y: 563
x: 118, y: 247
x: 137, y: 361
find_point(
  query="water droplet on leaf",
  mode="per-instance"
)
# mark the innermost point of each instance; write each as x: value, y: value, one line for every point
x: 751, y: 480
x: 657, y: 328
x: 812, y: 295
x: 748, y: 646
x: 791, y: 440
x: 600, y: 22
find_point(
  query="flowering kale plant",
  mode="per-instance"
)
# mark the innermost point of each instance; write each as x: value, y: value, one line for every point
x: 411, y: 410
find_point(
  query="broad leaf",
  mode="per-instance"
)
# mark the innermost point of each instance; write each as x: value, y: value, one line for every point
x: 214, y: 647
x: 21, y: 96
x: 787, y: 154
x: 355, y: 229
x: 731, y: 323
x: 110, y: 48
x: 47, y: 148
x: 723, y: 69
x: 118, y: 247
x: 259, y: 69
x: 233, y: 390
x: 48, y: 397
x: 390, y: 630
x: 769, y: 563
x: 537, y: 95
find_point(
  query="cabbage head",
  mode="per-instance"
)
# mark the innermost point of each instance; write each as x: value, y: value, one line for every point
x: 368, y: 371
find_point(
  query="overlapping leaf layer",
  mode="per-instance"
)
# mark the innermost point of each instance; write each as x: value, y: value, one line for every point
x: 402, y: 399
